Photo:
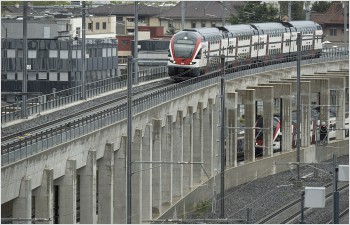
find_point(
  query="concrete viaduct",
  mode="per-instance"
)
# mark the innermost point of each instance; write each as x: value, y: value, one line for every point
x: 182, y: 130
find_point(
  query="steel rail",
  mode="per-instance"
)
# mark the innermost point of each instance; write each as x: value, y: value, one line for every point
x: 341, y: 215
x: 5, y: 138
x: 70, y: 124
x: 291, y: 211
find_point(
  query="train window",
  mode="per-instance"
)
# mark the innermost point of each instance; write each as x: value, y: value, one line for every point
x: 262, y: 45
x: 199, y: 54
x: 184, y: 41
x: 169, y: 54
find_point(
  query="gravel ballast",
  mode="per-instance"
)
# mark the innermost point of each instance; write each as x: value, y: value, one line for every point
x: 266, y: 195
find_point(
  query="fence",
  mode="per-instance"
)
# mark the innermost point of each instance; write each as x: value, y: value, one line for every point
x: 53, y: 100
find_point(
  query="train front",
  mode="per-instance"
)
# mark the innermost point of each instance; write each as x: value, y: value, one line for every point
x: 184, y: 55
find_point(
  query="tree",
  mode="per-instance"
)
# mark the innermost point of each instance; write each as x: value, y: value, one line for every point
x: 297, y: 10
x: 254, y: 12
x: 321, y: 7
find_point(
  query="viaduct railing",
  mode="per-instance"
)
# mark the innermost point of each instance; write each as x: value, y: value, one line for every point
x: 61, y: 98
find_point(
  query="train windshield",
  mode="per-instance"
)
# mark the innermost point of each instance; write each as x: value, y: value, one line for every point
x: 184, y: 44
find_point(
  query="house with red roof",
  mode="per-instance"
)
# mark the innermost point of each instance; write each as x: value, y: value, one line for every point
x: 332, y: 22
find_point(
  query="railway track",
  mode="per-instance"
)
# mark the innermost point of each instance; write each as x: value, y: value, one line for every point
x: 290, y: 212
x: 68, y: 120
x: 341, y: 215
x: 16, y: 140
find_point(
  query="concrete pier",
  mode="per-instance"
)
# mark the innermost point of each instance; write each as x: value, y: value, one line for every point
x: 208, y: 139
x: 167, y: 156
x: 198, y: 144
x: 88, y: 190
x: 146, y: 174
x: 22, y: 205
x: 105, y: 185
x: 136, y: 183
x: 231, y: 133
x: 266, y: 96
x: 156, y: 168
x: 187, y: 150
x: 247, y: 97
x: 44, y: 198
x: 178, y: 169
x: 119, y: 178
x: 67, y: 194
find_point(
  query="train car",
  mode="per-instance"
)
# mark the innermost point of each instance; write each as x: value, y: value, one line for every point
x: 194, y: 52
x: 311, y: 38
x: 259, y: 137
x: 188, y: 52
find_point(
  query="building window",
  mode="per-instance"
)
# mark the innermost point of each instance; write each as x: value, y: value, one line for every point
x: 125, y: 42
x: 333, y: 32
x: 31, y: 54
x: 203, y: 24
x: 42, y: 76
x: 131, y: 20
x: 90, y: 26
x: 11, y: 53
x: 193, y: 25
x: 64, y: 54
x: 104, y: 25
x: 97, y: 26
x: 53, y: 54
x: 213, y: 24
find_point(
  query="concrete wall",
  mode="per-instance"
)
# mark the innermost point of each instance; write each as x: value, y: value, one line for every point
x: 253, y: 170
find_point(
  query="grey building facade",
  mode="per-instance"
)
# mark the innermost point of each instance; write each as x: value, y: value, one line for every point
x: 56, y: 63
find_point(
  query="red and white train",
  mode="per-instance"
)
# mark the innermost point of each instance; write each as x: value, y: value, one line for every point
x: 193, y: 52
x: 276, y: 136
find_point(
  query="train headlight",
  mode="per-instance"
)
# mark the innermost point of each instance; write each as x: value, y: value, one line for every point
x: 192, y: 63
x: 172, y: 61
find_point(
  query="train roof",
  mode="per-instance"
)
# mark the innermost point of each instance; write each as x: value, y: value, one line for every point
x: 268, y: 28
x: 305, y: 25
x: 207, y: 33
x: 239, y: 30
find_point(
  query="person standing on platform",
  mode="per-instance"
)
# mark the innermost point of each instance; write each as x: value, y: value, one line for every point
x: 323, y: 132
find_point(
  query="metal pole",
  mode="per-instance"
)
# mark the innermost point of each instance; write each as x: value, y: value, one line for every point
x: 222, y: 137
x: 129, y: 134
x: 136, y: 38
x: 335, y: 191
x: 182, y: 15
x: 83, y: 26
x: 302, y: 207
x: 249, y: 215
x: 345, y: 22
x: 223, y: 13
x: 298, y: 103
x: 307, y: 10
x: 25, y: 59
x: 289, y: 11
